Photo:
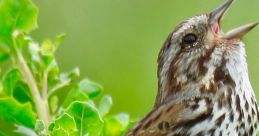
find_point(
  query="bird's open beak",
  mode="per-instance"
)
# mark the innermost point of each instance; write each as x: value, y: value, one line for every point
x: 215, y: 18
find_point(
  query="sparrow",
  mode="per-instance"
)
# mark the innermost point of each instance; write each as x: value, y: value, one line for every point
x: 203, y: 83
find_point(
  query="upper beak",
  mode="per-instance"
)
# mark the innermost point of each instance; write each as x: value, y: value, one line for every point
x: 215, y: 19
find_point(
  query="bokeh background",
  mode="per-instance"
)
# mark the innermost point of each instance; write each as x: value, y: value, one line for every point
x: 116, y: 42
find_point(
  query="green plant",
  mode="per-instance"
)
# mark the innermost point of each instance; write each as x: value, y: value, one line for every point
x: 31, y: 84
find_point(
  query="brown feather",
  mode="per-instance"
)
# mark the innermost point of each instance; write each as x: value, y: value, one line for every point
x: 171, y: 117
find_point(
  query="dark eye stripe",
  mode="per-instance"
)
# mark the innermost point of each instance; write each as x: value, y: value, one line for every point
x: 189, y: 39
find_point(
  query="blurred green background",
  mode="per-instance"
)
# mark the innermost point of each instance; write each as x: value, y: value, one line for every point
x: 116, y: 42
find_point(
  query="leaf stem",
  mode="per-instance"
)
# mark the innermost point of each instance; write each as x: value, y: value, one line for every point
x: 45, y: 86
x: 40, y: 104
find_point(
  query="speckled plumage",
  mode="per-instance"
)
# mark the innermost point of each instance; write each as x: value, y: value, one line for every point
x: 204, y: 89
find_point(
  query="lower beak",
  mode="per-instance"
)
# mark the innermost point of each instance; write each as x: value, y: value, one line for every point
x: 239, y: 32
x: 215, y: 18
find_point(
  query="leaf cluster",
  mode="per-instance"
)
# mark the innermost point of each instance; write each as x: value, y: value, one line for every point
x: 32, y: 86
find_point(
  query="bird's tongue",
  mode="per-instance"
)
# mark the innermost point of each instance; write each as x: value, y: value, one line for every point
x: 216, y: 28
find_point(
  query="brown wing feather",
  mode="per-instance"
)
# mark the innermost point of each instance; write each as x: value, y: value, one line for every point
x: 173, y: 118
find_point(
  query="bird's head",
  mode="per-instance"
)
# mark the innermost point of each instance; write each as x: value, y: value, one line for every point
x: 197, y: 48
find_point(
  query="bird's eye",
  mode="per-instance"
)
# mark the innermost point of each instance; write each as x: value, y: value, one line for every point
x: 189, y: 39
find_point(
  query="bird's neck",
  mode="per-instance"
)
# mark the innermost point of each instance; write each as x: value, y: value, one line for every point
x: 231, y: 72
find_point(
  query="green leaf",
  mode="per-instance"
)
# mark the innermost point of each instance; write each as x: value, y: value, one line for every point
x: 4, y: 52
x: 34, y: 62
x: 20, y: 15
x: 47, y: 48
x: 46, y: 61
x: 92, y: 89
x: 74, y: 73
x: 53, y: 69
x: 75, y: 94
x: 59, y: 132
x: 2, y: 134
x: 123, y: 118
x: 13, y: 86
x: 65, y: 124
x: 10, y: 80
x: 21, y: 92
x: 34, y: 50
x: 40, y: 127
x: 14, y: 112
x: 59, y: 39
x: 54, y: 103
x: 105, y: 105
x: 1, y: 90
x: 22, y: 40
x: 3, y: 56
x: 116, y: 125
x: 47, y: 52
x: 88, y: 120
x: 62, y: 80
